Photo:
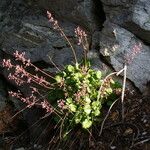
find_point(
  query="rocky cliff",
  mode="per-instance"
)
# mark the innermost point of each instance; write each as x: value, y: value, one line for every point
x: 115, y: 29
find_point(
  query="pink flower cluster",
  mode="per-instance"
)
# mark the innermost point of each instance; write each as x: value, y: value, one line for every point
x: 32, y: 100
x: 20, y: 76
x: 53, y: 21
x: 21, y: 57
x: 17, y: 80
x: 82, y: 40
x: 136, y: 49
x: 7, y: 63
x: 81, y: 35
x: 61, y: 104
x: 47, y: 106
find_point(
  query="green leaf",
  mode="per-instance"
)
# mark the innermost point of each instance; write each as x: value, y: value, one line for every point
x: 90, y: 71
x: 87, y: 109
x: 87, y: 99
x: 109, y: 90
x: 58, y: 78
x: 98, y: 74
x: 64, y: 74
x: 70, y: 68
x: 77, y: 75
x: 97, y: 112
x: 72, y: 107
x: 86, y: 123
x: 88, y: 90
x: 95, y: 104
x: 77, y: 120
x: 78, y: 117
x: 69, y: 100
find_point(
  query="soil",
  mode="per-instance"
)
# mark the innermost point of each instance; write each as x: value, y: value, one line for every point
x: 130, y: 133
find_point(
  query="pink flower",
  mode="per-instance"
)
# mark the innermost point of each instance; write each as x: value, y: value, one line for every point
x: 28, y: 63
x: 34, y: 90
x: 20, y: 56
x: 46, y: 106
x: 61, y: 103
x: 15, y: 94
x: 7, y: 63
x: 81, y: 35
x: 17, y: 80
x: 19, y: 69
x: 29, y: 80
x: 52, y: 20
x: 136, y: 49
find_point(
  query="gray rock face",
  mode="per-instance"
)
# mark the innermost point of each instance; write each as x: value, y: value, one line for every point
x: 134, y: 15
x: 121, y: 46
x: 36, y: 37
x: 81, y: 12
x: 2, y: 96
x: 25, y: 27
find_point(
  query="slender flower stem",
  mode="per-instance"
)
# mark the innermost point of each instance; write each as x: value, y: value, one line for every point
x: 102, y: 125
x: 123, y: 90
x: 57, y: 27
x: 54, y: 64
x: 100, y: 89
x: 73, y: 50
x: 43, y: 72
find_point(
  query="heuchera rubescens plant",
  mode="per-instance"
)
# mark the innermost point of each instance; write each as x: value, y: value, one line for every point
x: 75, y: 94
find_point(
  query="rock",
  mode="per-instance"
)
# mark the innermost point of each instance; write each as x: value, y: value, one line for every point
x: 7, y: 124
x: 21, y: 148
x: 81, y: 12
x: 96, y: 63
x: 35, y: 36
x: 2, y: 104
x: 132, y: 15
x: 120, y: 46
x: 2, y: 94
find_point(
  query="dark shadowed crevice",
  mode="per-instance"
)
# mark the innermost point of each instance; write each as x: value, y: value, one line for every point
x: 100, y: 17
x: 42, y: 64
x: 139, y: 32
x: 99, y: 13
